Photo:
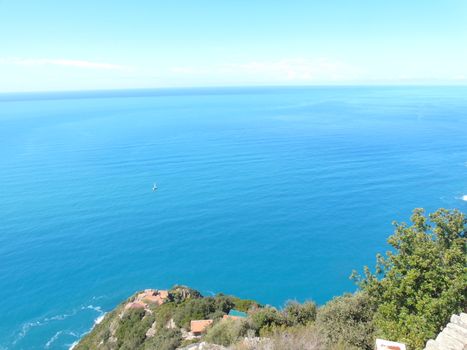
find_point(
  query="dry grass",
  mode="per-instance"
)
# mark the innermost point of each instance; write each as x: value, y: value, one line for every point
x: 302, y: 338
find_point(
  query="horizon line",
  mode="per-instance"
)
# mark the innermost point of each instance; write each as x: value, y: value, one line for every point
x: 226, y: 87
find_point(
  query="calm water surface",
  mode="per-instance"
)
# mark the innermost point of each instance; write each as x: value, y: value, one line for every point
x: 271, y: 194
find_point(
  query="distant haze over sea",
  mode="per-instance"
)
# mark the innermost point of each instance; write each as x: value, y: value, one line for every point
x: 265, y: 193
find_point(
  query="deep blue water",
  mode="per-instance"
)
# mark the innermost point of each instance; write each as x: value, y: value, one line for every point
x: 271, y: 194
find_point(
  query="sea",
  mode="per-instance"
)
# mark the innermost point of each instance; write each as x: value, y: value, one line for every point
x: 267, y: 193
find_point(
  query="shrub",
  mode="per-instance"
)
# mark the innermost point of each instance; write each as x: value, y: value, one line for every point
x: 226, y: 332
x: 299, y: 314
x: 199, y: 309
x: 265, y: 320
x: 163, y: 314
x: 293, y: 338
x: 223, y: 303
x: 348, y: 319
x: 165, y: 339
x: 100, y: 333
x: 132, y: 328
x: 244, y: 305
x: 179, y: 294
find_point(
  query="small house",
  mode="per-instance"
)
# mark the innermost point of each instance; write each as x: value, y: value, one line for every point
x: 198, y: 327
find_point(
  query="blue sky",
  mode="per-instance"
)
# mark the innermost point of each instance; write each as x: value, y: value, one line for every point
x: 114, y: 44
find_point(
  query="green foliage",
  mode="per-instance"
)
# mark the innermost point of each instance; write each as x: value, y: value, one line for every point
x: 416, y: 287
x: 200, y: 309
x: 223, y: 303
x: 165, y: 339
x: 299, y: 314
x: 179, y: 294
x: 263, y: 321
x: 244, y: 305
x: 268, y: 320
x: 423, y: 281
x: 163, y: 314
x: 293, y: 338
x: 348, y: 320
x: 131, y: 331
x: 100, y: 332
x: 226, y: 332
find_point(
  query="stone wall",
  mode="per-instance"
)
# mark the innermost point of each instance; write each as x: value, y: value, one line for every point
x: 452, y: 337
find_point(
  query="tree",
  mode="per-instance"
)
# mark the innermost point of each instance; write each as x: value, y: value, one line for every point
x: 420, y: 283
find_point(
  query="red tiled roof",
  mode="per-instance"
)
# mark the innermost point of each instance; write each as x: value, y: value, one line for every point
x: 199, y: 326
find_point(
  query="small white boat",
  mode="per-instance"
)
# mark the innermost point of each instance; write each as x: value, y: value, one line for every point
x: 154, y: 187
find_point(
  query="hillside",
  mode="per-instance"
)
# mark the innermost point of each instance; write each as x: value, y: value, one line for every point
x: 410, y: 298
x: 181, y: 318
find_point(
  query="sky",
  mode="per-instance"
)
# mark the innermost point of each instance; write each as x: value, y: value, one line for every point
x: 51, y: 45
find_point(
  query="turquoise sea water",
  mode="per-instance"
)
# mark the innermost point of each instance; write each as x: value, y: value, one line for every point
x: 265, y: 193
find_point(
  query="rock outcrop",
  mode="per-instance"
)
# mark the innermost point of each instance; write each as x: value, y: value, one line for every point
x: 203, y: 346
x: 452, y: 337
x: 160, y: 320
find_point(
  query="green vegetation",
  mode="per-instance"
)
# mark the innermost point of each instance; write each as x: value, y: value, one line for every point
x: 159, y: 326
x: 300, y: 314
x: 132, y: 330
x: 414, y: 290
x: 423, y: 281
x: 202, y: 309
x: 181, y: 293
x: 227, y: 332
x: 264, y: 321
x: 243, y: 305
x: 164, y: 339
x: 348, y: 319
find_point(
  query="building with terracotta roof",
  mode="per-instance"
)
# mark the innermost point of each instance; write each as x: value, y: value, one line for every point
x: 198, y: 327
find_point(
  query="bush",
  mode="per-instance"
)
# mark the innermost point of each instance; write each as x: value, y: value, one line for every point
x: 244, y: 305
x: 293, y: 338
x: 132, y: 328
x: 200, y: 309
x: 299, y: 314
x: 223, y: 303
x: 263, y: 321
x: 226, y: 332
x: 179, y: 294
x: 163, y: 314
x: 348, y: 319
x: 165, y: 339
